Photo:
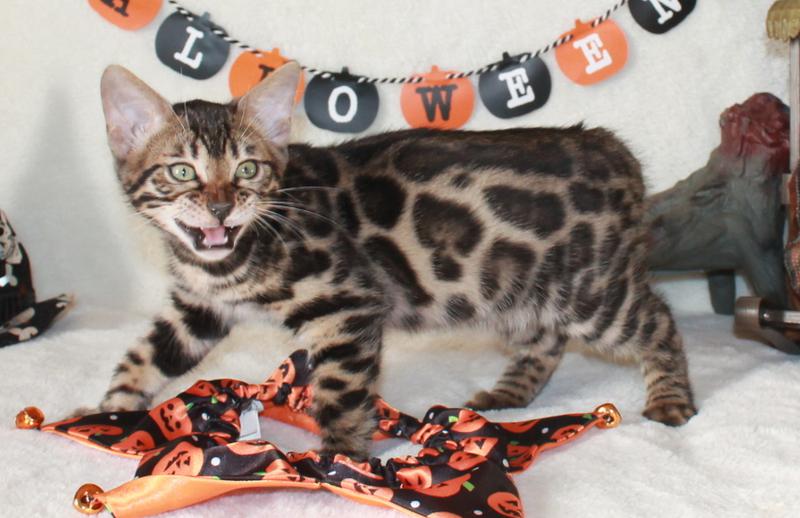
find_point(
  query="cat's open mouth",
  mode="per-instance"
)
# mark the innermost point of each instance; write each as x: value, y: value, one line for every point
x: 209, y: 238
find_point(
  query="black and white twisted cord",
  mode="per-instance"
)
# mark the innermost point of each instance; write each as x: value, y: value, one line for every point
x: 521, y: 58
x: 218, y: 31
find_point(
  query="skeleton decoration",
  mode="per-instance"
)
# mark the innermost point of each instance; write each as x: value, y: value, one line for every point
x: 21, y: 317
x: 727, y: 215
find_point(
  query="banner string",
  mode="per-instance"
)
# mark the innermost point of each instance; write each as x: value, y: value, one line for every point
x: 221, y: 33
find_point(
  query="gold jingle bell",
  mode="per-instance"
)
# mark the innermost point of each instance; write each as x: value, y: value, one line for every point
x: 609, y: 416
x: 30, y: 418
x: 85, y: 500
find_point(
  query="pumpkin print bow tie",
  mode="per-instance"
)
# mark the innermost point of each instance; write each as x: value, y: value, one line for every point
x: 189, y: 451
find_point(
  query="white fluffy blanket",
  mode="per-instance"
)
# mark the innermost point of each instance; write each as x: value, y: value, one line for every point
x: 739, y: 457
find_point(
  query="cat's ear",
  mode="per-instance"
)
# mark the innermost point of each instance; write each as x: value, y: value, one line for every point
x: 134, y: 111
x: 270, y: 103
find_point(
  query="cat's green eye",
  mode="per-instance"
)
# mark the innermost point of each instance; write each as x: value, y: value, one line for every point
x: 182, y: 172
x: 247, y: 170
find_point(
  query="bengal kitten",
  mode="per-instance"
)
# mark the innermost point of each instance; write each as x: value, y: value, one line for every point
x: 532, y: 232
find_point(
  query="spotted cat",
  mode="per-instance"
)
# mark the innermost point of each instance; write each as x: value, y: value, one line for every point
x: 532, y: 232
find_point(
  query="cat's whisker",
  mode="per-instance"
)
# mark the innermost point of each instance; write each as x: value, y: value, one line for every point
x: 263, y: 209
x: 184, y: 129
x: 249, y: 129
x: 277, y: 234
x: 294, y: 227
x: 288, y: 206
x: 309, y: 187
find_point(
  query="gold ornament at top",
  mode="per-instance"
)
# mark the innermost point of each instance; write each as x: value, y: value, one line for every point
x: 783, y: 20
x: 30, y: 418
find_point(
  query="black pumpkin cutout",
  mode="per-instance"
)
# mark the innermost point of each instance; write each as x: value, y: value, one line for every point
x: 339, y: 102
x: 190, y: 47
x: 516, y: 87
x: 659, y: 16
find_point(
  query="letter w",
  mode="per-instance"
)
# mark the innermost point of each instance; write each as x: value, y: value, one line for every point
x: 432, y: 98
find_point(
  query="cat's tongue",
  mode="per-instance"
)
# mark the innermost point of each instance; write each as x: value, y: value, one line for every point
x: 215, y: 236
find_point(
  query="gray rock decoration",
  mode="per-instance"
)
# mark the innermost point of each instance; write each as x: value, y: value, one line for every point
x: 727, y: 216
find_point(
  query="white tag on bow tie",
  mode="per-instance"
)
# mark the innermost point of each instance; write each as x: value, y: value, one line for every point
x: 248, y: 421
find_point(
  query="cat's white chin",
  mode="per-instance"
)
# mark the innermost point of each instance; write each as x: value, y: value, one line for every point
x: 214, y: 254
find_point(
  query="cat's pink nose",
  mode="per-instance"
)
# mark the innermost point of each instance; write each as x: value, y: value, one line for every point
x: 220, y: 209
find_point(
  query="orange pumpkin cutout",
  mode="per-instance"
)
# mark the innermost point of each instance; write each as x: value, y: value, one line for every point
x: 437, y: 102
x: 594, y: 53
x: 127, y: 14
x: 184, y: 459
x: 506, y: 504
x: 249, y: 69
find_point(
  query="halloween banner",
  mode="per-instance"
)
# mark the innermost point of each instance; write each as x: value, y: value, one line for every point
x: 346, y: 102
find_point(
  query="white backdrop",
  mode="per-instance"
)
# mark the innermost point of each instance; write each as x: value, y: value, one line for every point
x: 57, y: 182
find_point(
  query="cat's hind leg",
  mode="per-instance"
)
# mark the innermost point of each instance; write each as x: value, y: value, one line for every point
x: 643, y: 330
x: 664, y: 366
x: 534, y: 359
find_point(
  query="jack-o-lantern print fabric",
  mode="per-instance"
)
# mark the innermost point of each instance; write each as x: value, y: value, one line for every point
x: 463, y: 468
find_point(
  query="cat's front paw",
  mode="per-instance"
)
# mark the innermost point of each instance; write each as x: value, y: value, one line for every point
x: 357, y: 456
x: 355, y: 446
x: 671, y: 413
x: 124, y: 402
x: 494, y: 400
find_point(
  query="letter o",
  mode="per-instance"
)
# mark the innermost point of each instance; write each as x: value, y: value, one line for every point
x: 334, y: 97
